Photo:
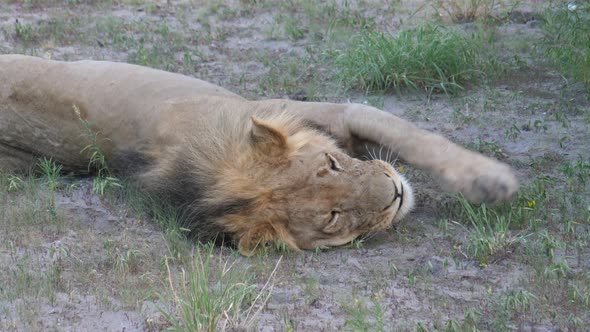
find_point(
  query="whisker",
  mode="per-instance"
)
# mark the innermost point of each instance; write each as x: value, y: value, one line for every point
x: 371, y: 154
x: 389, y: 155
x: 395, y: 160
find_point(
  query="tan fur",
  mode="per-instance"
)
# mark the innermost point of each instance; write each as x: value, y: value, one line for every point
x: 252, y: 169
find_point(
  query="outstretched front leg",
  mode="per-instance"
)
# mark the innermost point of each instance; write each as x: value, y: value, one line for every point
x: 477, y: 177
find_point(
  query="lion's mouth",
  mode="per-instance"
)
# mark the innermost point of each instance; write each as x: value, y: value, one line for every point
x: 398, y: 194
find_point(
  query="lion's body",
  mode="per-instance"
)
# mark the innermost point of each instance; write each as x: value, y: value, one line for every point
x: 231, y: 161
x: 40, y: 96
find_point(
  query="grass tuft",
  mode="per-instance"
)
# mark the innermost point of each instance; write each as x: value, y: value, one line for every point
x: 51, y: 171
x: 567, y: 31
x: 104, y: 180
x: 13, y: 183
x: 214, y: 295
x: 491, y: 237
x: 429, y: 57
x: 461, y: 11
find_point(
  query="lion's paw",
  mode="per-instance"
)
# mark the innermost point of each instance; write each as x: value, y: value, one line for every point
x: 481, y: 180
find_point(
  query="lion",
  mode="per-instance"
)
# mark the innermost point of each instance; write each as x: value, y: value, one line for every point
x: 257, y: 171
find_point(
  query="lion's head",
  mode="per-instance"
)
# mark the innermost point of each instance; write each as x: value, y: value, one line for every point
x: 272, y: 178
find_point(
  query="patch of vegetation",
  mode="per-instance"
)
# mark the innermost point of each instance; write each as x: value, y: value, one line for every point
x: 512, y: 306
x: 286, y: 75
x: 491, y: 237
x: 122, y: 259
x: 12, y: 182
x: 430, y: 57
x: 567, y: 31
x: 461, y: 11
x: 51, y: 171
x: 365, y: 316
x: 63, y: 30
x: 487, y: 147
x: 498, y: 231
x: 470, y: 322
x: 26, y: 214
x: 324, y: 21
x: 214, y: 295
x: 578, y: 172
x: 104, y: 180
x: 539, y: 241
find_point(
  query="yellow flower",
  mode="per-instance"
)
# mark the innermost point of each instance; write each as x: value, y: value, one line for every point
x: 532, y: 203
x: 401, y: 169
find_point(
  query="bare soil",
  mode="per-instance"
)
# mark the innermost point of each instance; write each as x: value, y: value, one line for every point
x: 418, y: 273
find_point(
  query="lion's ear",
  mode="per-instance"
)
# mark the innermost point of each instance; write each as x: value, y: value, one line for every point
x: 267, y: 139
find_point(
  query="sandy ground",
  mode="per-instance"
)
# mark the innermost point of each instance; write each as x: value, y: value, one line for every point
x: 415, y: 274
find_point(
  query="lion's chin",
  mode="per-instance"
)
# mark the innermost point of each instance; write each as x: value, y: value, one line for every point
x: 336, y: 242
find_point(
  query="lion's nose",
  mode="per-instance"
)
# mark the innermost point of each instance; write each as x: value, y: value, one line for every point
x: 382, y: 192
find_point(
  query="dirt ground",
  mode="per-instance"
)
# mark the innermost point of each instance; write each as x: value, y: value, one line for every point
x: 415, y: 277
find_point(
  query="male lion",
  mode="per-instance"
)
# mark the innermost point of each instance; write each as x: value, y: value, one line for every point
x: 259, y: 171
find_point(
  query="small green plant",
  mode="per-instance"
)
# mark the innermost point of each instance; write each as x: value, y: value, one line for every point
x: 293, y: 29
x: 487, y: 147
x: 512, y: 306
x: 549, y: 243
x: 557, y: 270
x: 470, y: 322
x: 357, y: 243
x: 539, y: 125
x: 575, y: 323
x: 443, y: 225
x: 288, y: 325
x: 101, y: 185
x: 378, y: 311
x: 14, y: 183
x: 393, y: 269
x: 25, y: 32
x: 420, y: 327
x: 579, y: 295
x: 104, y: 180
x: 358, y: 317
x: 471, y: 319
x: 51, y: 172
x: 578, y: 171
x: 512, y: 133
x: 310, y: 289
x: 519, y: 302
x: 429, y: 57
x: 411, y: 276
x: 452, y: 326
x: 123, y: 260
x: 58, y: 254
x: 363, y: 317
